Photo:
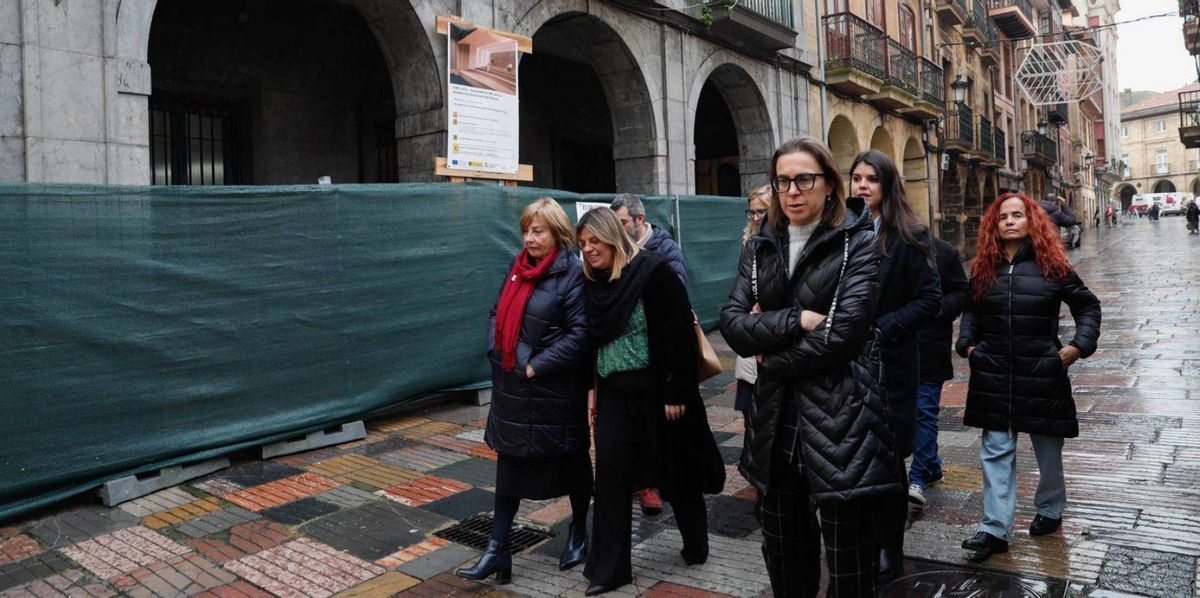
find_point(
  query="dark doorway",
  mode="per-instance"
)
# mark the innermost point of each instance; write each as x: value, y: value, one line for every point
x: 716, y: 145
x: 1126, y: 194
x: 247, y: 91
x: 1164, y: 187
x: 566, y: 129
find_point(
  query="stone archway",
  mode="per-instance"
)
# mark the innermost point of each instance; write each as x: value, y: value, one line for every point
x: 593, y: 41
x: 844, y: 143
x: 1164, y: 186
x: 916, y: 178
x: 1196, y: 187
x: 1125, y: 194
x: 755, y: 137
x: 400, y: 36
x: 881, y: 140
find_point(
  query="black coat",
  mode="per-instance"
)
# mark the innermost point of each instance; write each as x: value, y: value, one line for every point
x: 1017, y: 378
x: 544, y: 416
x: 660, y: 241
x: 937, y: 335
x: 688, y: 458
x: 846, y: 448
x: 910, y: 294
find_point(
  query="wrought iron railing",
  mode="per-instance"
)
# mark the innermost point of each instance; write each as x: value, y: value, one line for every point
x: 1189, y: 109
x: 932, y: 85
x: 991, y: 36
x: 960, y: 126
x: 962, y: 4
x: 979, y: 17
x: 1001, y: 141
x: 1036, y: 145
x: 853, y: 42
x: 985, y: 136
x: 779, y: 11
x: 902, y: 67
x: 1025, y: 6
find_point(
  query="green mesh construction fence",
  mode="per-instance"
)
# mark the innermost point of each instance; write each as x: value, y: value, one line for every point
x: 145, y: 326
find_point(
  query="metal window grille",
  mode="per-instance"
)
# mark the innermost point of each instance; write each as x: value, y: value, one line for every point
x: 194, y: 145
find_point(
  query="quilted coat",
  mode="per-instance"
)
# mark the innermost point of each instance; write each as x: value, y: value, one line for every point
x: 1018, y: 382
x: 846, y: 445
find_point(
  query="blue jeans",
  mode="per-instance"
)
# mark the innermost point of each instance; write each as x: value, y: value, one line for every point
x: 926, y: 464
x: 998, y: 454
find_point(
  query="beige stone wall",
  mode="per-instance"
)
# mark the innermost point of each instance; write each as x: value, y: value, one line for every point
x: 1143, y: 143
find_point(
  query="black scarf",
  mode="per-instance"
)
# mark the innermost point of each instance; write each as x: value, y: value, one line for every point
x: 610, y: 303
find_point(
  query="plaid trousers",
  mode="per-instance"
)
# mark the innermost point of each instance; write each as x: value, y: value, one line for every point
x: 794, y: 528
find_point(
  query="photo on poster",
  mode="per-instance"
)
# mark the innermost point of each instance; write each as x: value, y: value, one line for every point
x: 483, y: 59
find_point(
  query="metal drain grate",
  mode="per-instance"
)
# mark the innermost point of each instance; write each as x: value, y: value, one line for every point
x: 476, y: 531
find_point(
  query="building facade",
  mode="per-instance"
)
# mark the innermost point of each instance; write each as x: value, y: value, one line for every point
x: 617, y: 96
x: 1156, y: 159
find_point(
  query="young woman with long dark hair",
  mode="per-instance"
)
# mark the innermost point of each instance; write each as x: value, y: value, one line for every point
x: 910, y: 296
x: 1019, y: 384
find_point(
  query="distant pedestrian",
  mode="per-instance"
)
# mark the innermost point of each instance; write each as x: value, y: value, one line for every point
x: 1019, y: 384
x: 817, y: 449
x: 650, y: 423
x: 909, y: 297
x: 1155, y: 209
x: 1193, y: 217
x: 746, y: 369
x: 936, y: 338
x: 1060, y: 218
x: 632, y: 213
x: 537, y: 424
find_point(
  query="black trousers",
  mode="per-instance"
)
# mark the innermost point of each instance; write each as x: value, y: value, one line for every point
x: 893, y: 518
x: 626, y: 455
x: 794, y: 530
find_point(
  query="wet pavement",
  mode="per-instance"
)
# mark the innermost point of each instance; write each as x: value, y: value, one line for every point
x: 359, y: 519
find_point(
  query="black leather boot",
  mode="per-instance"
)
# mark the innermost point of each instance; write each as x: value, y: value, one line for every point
x: 575, y: 551
x: 496, y: 559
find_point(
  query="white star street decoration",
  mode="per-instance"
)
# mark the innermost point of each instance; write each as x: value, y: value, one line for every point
x: 1059, y: 72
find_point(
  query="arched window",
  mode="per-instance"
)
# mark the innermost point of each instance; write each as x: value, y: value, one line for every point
x: 908, y: 28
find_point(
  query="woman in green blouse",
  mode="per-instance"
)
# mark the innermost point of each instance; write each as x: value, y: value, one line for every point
x: 650, y: 425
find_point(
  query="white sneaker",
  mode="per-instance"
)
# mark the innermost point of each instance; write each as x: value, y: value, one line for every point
x: 916, y: 495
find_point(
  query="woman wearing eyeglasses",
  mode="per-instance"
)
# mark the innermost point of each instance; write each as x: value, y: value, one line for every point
x: 910, y: 294
x: 803, y: 306
x: 745, y: 370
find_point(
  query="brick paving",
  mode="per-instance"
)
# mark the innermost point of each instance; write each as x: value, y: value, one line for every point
x: 358, y: 519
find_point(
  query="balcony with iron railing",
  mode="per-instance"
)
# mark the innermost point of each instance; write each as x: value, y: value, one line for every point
x: 857, y: 54
x: 1001, y: 142
x: 987, y: 147
x: 989, y: 50
x: 900, y: 75
x: 1189, y: 119
x: 1189, y: 8
x: 952, y: 12
x: 932, y: 84
x: 1014, y: 17
x: 960, y: 131
x: 1162, y: 169
x: 1038, y: 149
x: 973, y: 30
x: 762, y: 24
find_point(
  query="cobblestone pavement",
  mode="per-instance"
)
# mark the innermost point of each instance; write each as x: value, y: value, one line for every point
x: 359, y: 519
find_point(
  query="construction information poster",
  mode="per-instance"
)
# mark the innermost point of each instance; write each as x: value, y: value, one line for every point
x: 482, y: 100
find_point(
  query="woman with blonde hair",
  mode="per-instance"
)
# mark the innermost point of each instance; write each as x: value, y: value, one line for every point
x: 650, y: 424
x: 538, y: 347
x: 745, y: 370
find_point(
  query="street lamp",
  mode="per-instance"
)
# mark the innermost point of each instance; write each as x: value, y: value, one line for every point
x: 1042, y: 126
x: 959, y: 87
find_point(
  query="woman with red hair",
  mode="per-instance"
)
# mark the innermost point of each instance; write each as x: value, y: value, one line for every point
x: 1019, y: 383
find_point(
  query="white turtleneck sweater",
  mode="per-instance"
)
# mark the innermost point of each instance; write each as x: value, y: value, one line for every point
x: 797, y: 238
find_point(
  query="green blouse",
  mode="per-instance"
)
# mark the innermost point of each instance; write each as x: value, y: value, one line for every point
x: 628, y: 352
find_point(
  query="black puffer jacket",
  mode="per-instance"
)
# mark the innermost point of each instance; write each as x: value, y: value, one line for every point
x: 938, y: 334
x: 547, y: 415
x: 1017, y: 378
x: 846, y: 447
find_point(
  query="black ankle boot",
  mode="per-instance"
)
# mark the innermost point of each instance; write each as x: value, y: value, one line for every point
x: 497, y: 559
x: 575, y: 551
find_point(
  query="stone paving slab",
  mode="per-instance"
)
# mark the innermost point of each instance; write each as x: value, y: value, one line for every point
x: 421, y: 458
x: 425, y: 490
x: 439, y: 561
x: 182, y: 513
x: 70, y: 583
x: 465, y: 504
x: 214, y: 523
x: 304, y: 568
x: 375, y: 530
x: 123, y: 551
x: 273, y: 494
x: 384, y: 586
x: 162, y: 500
x: 346, y: 497
x: 475, y: 471
x: 297, y: 512
x: 363, y: 470
x: 79, y: 525
x: 17, y: 547
x: 184, y: 575
x: 24, y: 571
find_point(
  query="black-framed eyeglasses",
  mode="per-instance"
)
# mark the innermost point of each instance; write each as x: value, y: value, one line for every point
x: 804, y: 181
x: 752, y: 214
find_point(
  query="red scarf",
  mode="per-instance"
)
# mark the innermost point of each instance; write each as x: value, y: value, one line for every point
x: 510, y: 310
